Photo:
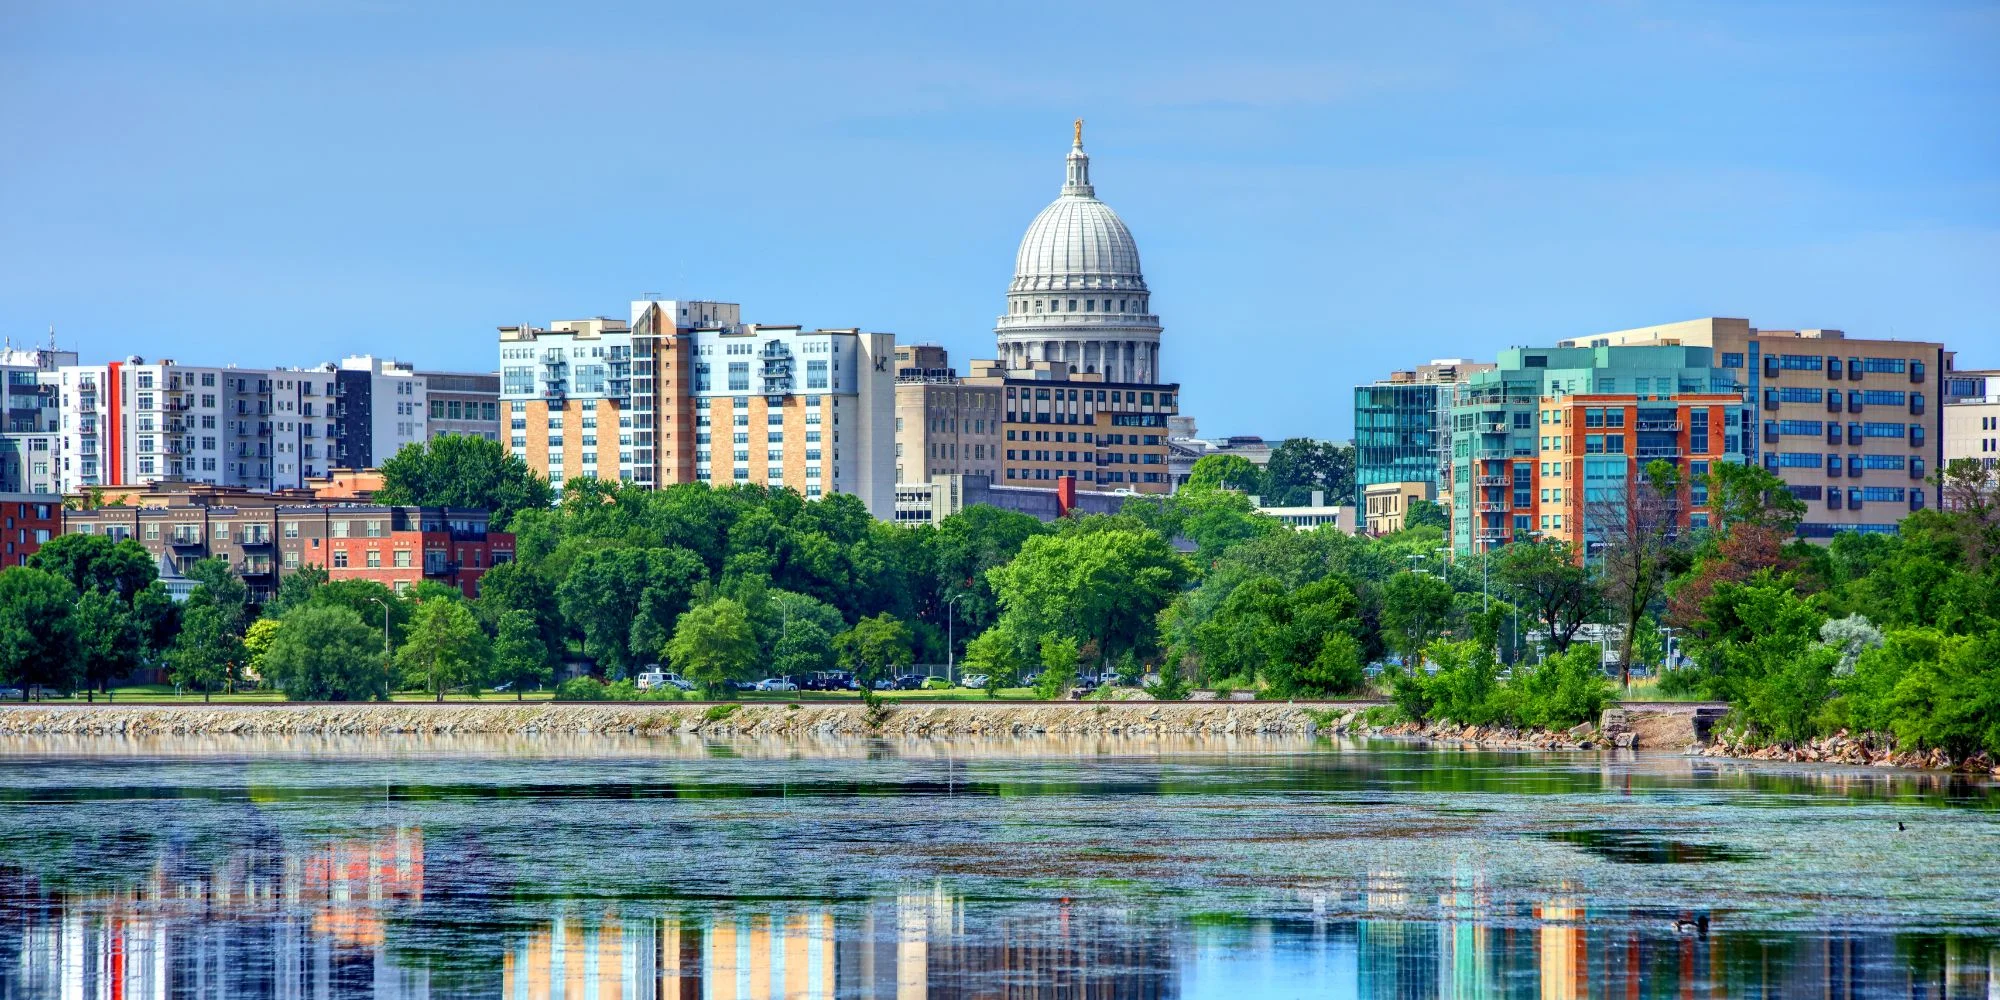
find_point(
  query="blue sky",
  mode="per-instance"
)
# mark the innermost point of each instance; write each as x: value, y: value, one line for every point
x: 1321, y: 192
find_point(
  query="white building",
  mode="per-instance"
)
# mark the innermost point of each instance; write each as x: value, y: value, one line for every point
x: 30, y: 438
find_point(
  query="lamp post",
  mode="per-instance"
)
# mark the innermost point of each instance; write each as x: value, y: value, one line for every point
x: 950, y: 650
x: 385, y: 626
x: 1668, y: 631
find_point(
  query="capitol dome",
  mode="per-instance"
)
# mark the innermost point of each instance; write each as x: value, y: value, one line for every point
x: 1078, y: 295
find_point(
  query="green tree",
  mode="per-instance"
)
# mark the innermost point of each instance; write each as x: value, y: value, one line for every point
x: 1104, y: 586
x: 521, y: 654
x: 256, y: 645
x: 1426, y: 514
x: 120, y: 567
x: 1058, y: 658
x: 803, y: 648
x: 518, y: 586
x: 997, y: 654
x: 108, y: 643
x: 1298, y: 466
x: 1415, y: 608
x: 1232, y: 472
x: 297, y: 588
x: 968, y: 544
x: 1932, y: 690
x: 1564, y: 690
x: 873, y: 647
x: 219, y: 585
x: 37, y: 643
x: 714, y: 644
x: 208, y: 656
x: 445, y: 648
x: 625, y: 601
x: 1549, y: 582
x: 457, y: 470
x: 325, y: 652
x: 1639, y: 527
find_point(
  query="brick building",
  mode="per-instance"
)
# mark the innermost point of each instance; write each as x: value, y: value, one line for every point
x: 26, y: 521
x: 265, y: 539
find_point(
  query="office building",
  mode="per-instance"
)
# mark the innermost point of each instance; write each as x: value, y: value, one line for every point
x: 944, y: 426
x: 30, y: 405
x: 1312, y: 515
x: 1400, y: 428
x: 1971, y: 417
x: 1852, y: 425
x: 379, y: 408
x: 1058, y: 423
x: 687, y: 392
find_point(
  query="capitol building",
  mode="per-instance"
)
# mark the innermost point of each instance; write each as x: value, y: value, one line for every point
x: 1078, y: 294
x: 1075, y: 394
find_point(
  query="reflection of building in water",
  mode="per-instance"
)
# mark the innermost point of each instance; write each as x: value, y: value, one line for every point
x: 1561, y: 942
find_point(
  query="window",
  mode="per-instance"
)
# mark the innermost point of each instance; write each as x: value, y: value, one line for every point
x: 1884, y: 366
x: 1811, y: 428
x: 339, y: 558
x: 1732, y: 359
x: 1801, y: 362
x: 1883, y: 397
x: 1799, y: 459
x: 1882, y: 430
x: 402, y: 558
x: 1798, y: 394
x: 374, y: 558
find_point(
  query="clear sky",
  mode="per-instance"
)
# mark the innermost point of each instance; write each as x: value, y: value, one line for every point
x: 1321, y: 192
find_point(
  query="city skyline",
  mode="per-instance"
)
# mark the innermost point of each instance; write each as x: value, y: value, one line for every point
x: 1422, y: 185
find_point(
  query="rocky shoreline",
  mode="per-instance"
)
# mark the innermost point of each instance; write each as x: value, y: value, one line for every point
x: 816, y: 719
x: 1871, y: 750
x: 948, y: 719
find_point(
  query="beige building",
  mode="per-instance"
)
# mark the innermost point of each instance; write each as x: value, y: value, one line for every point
x: 1972, y: 417
x: 686, y: 392
x: 1057, y: 422
x: 944, y: 425
x: 1852, y: 425
x: 1388, y: 503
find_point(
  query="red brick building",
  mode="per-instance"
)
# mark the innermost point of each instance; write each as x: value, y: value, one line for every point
x: 26, y: 521
x: 395, y: 546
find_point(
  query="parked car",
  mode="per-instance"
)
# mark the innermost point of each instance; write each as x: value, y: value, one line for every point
x: 974, y: 681
x: 909, y: 682
x: 827, y: 680
x: 938, y: 684
x: 777, y: 684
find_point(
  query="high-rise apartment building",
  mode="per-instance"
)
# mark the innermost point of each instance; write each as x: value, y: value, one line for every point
x: 133, y: 421
x: 379, y: 408
x: 1401, y: 431
x: 1497, y: 434
x: 944, y: 425
x: 30, y: 405
x: 687, y: 392
x: 1593, y: 455
x: 1851, y: 425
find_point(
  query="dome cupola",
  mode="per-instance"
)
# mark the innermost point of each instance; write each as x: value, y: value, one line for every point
x: 1078, y: 294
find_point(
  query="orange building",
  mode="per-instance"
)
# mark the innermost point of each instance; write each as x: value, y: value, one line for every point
x: 1596, y: 446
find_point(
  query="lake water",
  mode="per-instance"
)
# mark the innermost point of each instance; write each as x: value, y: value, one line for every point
x: 1090, y: 869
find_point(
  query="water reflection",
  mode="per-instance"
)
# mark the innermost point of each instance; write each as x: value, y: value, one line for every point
x: 893, y: 872
x: 351, y: 917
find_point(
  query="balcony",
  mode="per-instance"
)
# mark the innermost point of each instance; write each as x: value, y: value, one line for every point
x: 1493, y: 507
x: 250, y: 568
x: 1660, y: 451
x: 185, y: 540
x: 1659, y: 425
x: 1495, y: 480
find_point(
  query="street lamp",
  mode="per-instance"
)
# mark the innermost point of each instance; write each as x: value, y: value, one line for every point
x: 385, y: 625
x: 950, y: 651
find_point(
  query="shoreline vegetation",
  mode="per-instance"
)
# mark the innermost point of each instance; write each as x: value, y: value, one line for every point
x: 1892, y: 634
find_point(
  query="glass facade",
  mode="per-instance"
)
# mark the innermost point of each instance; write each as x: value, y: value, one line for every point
x: 1396, y: 434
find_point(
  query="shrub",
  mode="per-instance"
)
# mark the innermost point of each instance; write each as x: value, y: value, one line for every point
x: 717, y: 713
x: 1562, y: 691
x: 580, y: 689
x: 1464, y: 688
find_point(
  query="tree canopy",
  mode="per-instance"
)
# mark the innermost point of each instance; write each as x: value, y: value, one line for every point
x: 460, y: 470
